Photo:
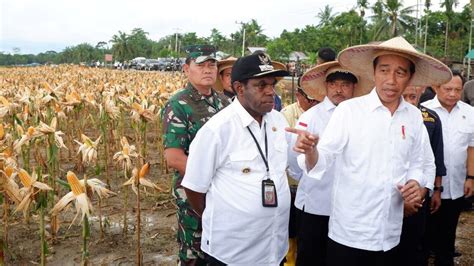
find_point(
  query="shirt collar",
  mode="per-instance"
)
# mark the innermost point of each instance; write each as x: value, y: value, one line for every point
x: 195, y: 95
x: 374, y: 102
x: 244, y: 116
x: 327, y: 104
x: 437, y: 104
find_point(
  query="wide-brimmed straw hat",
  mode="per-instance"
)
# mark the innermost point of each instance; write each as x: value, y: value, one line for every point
x: 428, y: 70
x: 221, y: 66
x: 313, y: 81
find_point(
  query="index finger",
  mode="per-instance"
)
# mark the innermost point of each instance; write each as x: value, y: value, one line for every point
x: 300, y: 132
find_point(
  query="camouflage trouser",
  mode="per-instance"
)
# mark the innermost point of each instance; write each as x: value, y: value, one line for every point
x: 189, y: 229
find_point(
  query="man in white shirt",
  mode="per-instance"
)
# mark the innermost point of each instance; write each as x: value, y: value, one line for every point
x: 458, y: 137
x: 235, y: 175
x: 377, y: 140
x: 313, y: 197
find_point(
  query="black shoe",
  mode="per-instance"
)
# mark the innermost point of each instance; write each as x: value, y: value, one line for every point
x: 457, y: 254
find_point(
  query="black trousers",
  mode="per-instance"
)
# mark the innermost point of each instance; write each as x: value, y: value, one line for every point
x: 341, y: 255
x: 412, y: 250
x: 211, y: 261
x: 312, y: 239
x: 443, y: 224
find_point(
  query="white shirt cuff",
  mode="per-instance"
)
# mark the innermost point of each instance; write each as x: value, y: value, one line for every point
x: 318, y: 170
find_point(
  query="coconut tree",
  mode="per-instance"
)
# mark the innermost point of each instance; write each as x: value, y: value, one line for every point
x: 362, y: 5
x: 395, y: 19
x: 448, y: 6
x: 120, y: 46
x: 427, y: 13
x: 325, y: 16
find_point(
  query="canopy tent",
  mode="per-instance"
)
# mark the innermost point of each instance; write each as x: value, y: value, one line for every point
x: 470, y: 55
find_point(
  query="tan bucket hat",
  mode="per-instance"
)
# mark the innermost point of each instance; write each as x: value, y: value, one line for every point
x: 221, y: 66
x: 428, y: 70
x: 313, y: 81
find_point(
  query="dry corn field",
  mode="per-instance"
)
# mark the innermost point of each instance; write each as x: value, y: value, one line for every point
x: 82, y: 177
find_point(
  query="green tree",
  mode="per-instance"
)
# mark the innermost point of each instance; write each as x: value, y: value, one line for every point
x: 396, y: 19
x: 362, y: 5
x: 121, y: 47
x: 448, y: 5
x: 325, y: 16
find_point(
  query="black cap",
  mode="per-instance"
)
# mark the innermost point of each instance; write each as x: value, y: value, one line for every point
x: 255, y: 65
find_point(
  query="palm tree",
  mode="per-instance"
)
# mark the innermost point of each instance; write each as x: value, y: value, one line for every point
x: 362, y: 5
x: 120, y: 47
x: 325, y: 16
x: 448, y: 5
x: 395, y: 19
x: 427, y: 14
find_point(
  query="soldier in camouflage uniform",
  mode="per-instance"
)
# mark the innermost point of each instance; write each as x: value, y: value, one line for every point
x: 184, y: 114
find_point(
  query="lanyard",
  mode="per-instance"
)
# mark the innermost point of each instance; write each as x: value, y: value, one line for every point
x: 264, y: 158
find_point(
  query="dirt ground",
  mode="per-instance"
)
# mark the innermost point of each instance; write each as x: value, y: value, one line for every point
x: 158, y: 236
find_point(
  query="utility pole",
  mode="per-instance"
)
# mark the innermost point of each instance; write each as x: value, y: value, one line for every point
x: 176, y: 40
x: 243, y: 36
x: 417, y: 22
x: 470, y: 42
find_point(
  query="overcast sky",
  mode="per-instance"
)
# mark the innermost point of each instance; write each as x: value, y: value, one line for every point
x: 39, y: 25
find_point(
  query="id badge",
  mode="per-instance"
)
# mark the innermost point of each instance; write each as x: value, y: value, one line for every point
x: 269, y: 195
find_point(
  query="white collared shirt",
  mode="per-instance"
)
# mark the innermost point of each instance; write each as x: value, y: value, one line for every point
x: 224, y: 162
x: 429, y: 166
x: 458, y: 135
x: 314, y: 196
x: 377, y: 152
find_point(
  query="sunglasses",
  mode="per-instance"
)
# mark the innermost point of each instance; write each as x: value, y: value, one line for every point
x: 300, y: 91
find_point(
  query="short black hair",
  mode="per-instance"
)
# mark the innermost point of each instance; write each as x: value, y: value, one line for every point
x: 412, y: 65
x: 341, y: 76
x: 458, y: 73
x: 326, y: 54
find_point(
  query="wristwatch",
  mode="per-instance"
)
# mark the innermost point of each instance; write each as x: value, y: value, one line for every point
x: 440, y: 188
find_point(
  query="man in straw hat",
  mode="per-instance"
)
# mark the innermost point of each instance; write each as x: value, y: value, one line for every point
x: 377, y: 140
x: 240, y: 187
x: 183, y: 115
x: 224, y: 68
x: 458, y: 136
x: 332, y: 84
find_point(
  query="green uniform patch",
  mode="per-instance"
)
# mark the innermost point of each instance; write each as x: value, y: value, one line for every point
x: 184, y: 114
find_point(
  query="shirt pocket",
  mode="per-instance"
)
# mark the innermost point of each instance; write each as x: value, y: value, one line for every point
x: 465, y: 133
x: 281, y: 153
x: 245, y: 162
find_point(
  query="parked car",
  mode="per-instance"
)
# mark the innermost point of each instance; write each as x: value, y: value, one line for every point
x: 138, y: 63
x: 152, y: 64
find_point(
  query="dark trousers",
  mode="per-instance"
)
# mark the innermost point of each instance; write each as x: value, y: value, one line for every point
x: 341, y: 255
x: 211, y: 261
x: 312, y: 239
x: 443, y: 224
x: 412, y: 250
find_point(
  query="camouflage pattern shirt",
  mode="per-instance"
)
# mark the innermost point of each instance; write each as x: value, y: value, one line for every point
x: 184, y: 114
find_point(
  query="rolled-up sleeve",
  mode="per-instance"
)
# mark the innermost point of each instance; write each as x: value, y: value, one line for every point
x: 202, y: 161
x: 429, y: 167
x: 330, y: 144
x: 415, y: 170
